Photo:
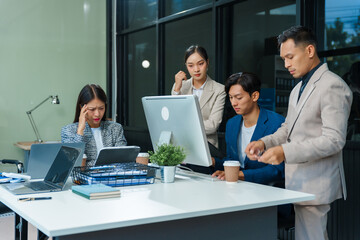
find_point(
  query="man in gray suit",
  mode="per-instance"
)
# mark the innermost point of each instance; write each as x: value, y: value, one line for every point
x: 313, y: 135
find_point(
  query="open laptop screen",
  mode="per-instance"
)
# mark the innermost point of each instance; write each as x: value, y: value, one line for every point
x: 62, y: 166
x: 42, y: 157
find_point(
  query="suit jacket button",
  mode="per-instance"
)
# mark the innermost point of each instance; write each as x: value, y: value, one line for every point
x: 288, y: 140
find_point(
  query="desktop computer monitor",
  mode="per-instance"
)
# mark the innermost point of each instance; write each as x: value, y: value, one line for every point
x: 178, y: 120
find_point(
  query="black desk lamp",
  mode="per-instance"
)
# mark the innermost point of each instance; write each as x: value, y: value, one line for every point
x: 55, y: 100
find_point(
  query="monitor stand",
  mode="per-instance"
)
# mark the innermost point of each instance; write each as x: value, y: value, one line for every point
x: 165, y: 138
x: 182, y: 171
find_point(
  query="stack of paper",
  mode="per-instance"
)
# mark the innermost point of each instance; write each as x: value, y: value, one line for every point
x: 96, y: 191
x: 5, y: 179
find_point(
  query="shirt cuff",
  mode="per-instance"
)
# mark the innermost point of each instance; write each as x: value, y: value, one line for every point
x: 219, y: 164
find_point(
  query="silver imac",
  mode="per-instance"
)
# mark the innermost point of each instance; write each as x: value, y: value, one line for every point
x: 178, y: 120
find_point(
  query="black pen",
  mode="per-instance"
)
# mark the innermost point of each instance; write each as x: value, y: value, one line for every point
x: 33, y: 199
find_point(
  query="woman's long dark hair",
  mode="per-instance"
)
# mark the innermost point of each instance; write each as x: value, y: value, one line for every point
x: 88, y: 93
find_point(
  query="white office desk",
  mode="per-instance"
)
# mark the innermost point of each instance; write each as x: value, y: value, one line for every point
x: 186, y: 209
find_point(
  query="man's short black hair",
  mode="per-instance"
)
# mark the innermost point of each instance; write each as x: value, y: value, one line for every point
x: 300, y: 35
x: 248, y: 81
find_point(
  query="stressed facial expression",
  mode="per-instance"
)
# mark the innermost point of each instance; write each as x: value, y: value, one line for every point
x: 95, y: 112
x: 241, y: 101
x: 197, y: 67
x: 297, y: 58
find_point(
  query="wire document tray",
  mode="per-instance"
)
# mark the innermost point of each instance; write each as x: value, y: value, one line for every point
x: 121, y: 174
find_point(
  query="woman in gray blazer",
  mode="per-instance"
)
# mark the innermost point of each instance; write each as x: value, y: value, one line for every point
x: 90, y: 126
x: 211, y: 94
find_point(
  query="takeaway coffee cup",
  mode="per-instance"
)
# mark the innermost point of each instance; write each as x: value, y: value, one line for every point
x: 143, y: 158
x: 83, y: 162
x: 232, y: 169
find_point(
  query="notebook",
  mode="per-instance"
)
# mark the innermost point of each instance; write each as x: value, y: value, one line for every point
x: 55, y: 178
x: 96, y: 191
x: 111, y: 155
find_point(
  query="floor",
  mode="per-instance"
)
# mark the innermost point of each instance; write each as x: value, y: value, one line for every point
x: 7, y: 225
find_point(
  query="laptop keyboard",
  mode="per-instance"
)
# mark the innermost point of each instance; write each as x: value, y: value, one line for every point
x: 38, y: 186
x: 196, y: 175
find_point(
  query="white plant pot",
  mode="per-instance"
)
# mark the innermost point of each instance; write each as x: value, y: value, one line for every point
x: 167, y: 174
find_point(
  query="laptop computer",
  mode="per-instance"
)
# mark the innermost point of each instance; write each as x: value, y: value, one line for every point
x: 42, y: 157
x: 56, y: 177
x: 111, y: 155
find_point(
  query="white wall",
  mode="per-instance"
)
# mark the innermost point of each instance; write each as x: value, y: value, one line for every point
x: 46, y: 47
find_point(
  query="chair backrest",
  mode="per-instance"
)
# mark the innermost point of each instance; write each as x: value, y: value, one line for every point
x: 19, y: 165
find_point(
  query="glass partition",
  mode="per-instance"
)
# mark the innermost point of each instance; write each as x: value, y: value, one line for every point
x: 176, y: 6
x: 138, y: 12
x: 342, y: 24
x: 141, y: 73
x: 179, y: 35
x: 255, y: 28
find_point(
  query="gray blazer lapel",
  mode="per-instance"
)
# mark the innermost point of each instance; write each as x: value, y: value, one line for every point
x: 304, y: 97
x: 106, y: 140
x: 88, y: 133
x: 299, y: 106
x: 309, y: 89
x: 207, y: 93
x: 293, y: 101
x: 187, y: 88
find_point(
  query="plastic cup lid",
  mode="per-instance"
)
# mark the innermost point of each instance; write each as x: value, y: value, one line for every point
x: 232, y: 163
x: 143, y: 154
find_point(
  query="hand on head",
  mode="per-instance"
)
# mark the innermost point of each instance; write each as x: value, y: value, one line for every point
x: 82, y: 120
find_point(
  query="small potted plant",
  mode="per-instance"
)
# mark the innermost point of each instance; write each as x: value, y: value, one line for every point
x: 167, y: 156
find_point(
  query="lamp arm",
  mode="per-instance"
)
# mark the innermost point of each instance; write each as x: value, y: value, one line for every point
x: 38, y: 139
x: 39, y: 105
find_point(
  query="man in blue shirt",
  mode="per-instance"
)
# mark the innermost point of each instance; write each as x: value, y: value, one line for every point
x: 251, y: 123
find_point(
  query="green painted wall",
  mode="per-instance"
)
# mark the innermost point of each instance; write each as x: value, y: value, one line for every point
x: 47, y: 47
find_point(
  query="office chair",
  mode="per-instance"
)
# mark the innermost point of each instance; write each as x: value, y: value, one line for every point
x: 19, y: 165
x: 4, y: 210
x: 286, y: 223
x: 21, y: 227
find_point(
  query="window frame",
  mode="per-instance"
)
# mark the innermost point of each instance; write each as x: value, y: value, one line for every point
x: 308, y: 14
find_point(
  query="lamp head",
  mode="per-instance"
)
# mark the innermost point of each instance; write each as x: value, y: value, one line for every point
x: 55, y: 100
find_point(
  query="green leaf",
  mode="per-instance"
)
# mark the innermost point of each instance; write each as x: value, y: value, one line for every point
x: 167, y: 155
